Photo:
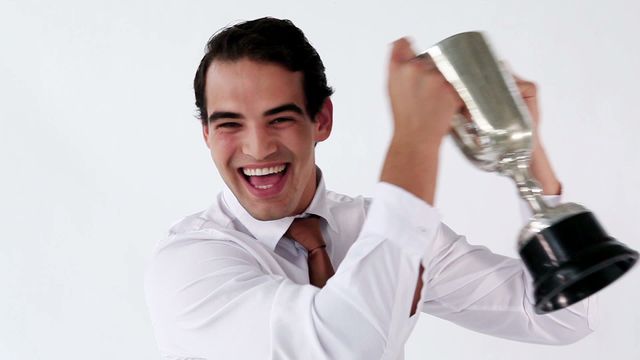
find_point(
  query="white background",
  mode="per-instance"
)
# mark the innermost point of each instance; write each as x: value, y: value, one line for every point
x: 100, y: 151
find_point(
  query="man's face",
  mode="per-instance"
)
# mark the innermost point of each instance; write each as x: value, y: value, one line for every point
x: 261, y: 137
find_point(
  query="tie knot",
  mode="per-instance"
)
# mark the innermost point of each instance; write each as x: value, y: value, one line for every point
x: 306, y: 231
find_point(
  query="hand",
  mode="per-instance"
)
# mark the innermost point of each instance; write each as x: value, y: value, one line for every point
x: 529, y: 93
x: 423, y: 105
x: 540, y: 165
x: 422, y: 101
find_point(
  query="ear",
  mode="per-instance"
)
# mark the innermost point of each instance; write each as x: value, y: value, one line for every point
x: 324, y: 121
x: 205, y: 134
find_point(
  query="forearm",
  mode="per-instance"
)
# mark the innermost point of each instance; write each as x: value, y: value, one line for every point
x: 541, y: 170
x: 492, y: 294
x: 413, y: 167
x: 506, y: 311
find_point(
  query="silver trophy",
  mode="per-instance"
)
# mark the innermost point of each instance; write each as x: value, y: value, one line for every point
x: 567, y: 252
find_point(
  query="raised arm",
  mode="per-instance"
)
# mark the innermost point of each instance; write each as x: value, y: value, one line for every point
x: 491, y: 293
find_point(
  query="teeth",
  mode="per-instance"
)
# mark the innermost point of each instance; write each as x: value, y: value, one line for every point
x: 263, y: 187
x: 264, y: 171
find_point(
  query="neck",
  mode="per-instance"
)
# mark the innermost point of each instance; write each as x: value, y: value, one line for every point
x: 309, y: 192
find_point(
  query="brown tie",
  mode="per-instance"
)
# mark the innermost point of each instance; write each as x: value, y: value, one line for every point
x: 306, y: 231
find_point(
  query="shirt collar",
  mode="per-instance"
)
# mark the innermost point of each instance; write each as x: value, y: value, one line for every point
x: 270, y: 232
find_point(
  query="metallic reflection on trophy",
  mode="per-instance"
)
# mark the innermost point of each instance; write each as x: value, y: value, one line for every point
x: 567, y: 252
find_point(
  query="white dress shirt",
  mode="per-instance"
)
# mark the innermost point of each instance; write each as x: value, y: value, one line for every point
x: 224, y: 285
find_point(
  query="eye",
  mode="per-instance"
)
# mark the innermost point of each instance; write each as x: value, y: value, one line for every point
x: 281, y: 120
x: 228, y: 125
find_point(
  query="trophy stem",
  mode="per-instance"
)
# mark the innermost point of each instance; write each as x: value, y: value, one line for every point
x: 528, y: 187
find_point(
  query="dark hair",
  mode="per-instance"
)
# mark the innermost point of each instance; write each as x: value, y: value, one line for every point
x: 266, y: 40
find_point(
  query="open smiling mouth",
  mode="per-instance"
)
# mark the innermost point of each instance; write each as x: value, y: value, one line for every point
x: 265, y: 181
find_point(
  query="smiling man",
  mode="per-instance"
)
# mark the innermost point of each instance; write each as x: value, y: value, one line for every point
x: 261, y: 135
x: 278, y: 267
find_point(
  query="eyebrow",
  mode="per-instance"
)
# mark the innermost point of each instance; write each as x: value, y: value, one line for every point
x: 278, y: 109
x: 282, y: 108
x: 223, y: 115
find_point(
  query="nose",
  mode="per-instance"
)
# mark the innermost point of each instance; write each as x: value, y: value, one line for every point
x: 259, y: 143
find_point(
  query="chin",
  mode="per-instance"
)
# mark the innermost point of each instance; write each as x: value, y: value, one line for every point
x: 274, y: 208
x: 264, y: 211
x: 268, y: 215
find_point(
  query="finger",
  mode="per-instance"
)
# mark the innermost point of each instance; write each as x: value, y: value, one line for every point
x: 527, y: 89
x: 425, y: 62
x: 401, y: 51
x: 465, y: 112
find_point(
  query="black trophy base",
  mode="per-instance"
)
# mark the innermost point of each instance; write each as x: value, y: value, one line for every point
x: 573, y: 259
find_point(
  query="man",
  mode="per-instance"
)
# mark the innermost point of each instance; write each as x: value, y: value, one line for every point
x: 240, y: 280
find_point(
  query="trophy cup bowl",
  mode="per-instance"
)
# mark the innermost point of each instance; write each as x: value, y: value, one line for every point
x: 564, y: 248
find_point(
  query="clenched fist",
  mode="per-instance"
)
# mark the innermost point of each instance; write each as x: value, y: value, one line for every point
x: 422, y: 101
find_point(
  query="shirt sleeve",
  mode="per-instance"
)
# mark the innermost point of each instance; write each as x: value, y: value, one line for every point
x: 493, y: 294
x: 210, y: 298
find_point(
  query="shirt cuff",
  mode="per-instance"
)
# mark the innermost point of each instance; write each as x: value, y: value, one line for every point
x: 550, y: 200
x: 399, y: 216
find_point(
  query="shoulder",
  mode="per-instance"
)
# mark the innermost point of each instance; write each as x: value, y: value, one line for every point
x: 212, y: 218
x: 192, y: 222
x: 196, y: 239
x: 337, y: 200
x: 210, y: 227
